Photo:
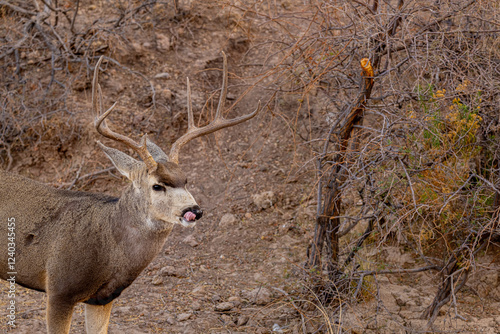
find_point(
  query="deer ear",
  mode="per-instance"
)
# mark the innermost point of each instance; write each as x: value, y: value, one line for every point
x: 156, y: 152
x: 123, y: 162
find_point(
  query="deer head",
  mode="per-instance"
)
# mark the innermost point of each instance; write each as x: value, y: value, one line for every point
x: 157, y: 179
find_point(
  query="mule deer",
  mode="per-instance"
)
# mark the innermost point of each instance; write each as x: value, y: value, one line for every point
x: 86, y: 247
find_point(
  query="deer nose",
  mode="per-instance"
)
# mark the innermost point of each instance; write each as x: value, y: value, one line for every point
x: 197, y: 211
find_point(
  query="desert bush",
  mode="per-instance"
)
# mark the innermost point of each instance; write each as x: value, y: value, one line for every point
x: 410, y: 150
x: 47, y: 52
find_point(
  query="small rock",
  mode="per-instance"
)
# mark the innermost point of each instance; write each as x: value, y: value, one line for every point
x: 277, y: 329
x: 184, y: 316
x: 263, y: 200
x: 116, y: 86
x: 163, y: 42
x: 191, y: 241
x: 167, y: 94
x: 400, y: 302
x: 157, y: 280
x: 228, y: 220
x: 224, y: 307
x: 236, y: 301
x: 138, y: 119
x: 171, y: 271
x: 195, y: 306
x: 170, y: 319
x: 242, y: 320
x: 259, y: 296
x: 227, y: 319
x: 248, y: 215
x: 199, y: 290
x: 163, y: 75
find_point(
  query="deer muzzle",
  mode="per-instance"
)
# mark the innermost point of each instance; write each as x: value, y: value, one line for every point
x: 190, y: 215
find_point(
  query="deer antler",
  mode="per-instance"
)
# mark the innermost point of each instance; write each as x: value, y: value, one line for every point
x: 218, y: 123
x: 103, y: 129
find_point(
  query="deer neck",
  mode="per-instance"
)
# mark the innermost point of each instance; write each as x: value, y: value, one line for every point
x: 140, y: 238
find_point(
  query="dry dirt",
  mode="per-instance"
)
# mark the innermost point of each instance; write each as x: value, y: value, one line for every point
x: 238, y: 270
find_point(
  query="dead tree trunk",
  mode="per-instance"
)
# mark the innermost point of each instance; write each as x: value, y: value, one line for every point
x: 328, y: 221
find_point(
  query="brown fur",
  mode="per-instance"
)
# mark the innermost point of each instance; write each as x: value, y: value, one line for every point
x: 86, y: 247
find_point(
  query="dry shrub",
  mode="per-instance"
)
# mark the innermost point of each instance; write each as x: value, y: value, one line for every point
x: 47, y: 53
x: 417, y: 154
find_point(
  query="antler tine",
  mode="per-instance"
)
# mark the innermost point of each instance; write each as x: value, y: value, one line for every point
x: 218, y: 123
x: 212, y: 127
x: 223, y: 90
x: 189, y: 107
x: 102, y: 127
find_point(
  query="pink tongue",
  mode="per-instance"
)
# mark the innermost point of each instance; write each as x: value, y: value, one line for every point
x: 189, y: 216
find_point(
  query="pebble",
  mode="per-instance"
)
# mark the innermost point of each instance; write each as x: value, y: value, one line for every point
x: 157, y: 280
x: 184, y: 316
x: 242, y: 320
x: 228, y: 220
x: 163, y: 75
x: 227, y: 319
x: 170, y: 320
x: 163, y: 42
x: 236, y: 301
x: 191, y: 241
x: 263, y: 200
x: 224, y: 307
x: 171, y: 271
x: 259, y: 296
x: 195, y: 306
x: 277, y: 329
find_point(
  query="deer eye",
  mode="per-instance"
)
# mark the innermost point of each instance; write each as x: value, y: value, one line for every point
x: 158, y: 187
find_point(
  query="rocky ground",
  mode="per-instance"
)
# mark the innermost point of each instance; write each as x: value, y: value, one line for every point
x: 239, y: 269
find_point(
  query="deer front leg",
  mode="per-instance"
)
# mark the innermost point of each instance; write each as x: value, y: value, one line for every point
x: 59, y: 313
x: 97, y: 318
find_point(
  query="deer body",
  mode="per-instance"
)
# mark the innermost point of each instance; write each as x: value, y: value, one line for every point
x: 86, y: 247
x: 58, y: 237
x: 81, y: 247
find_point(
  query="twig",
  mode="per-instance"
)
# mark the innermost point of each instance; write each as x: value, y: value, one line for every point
x: 17, y: 9
x: 86, y: 176
x: 77, y: 176
x: 399, y: 271
x: 72, y: 28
